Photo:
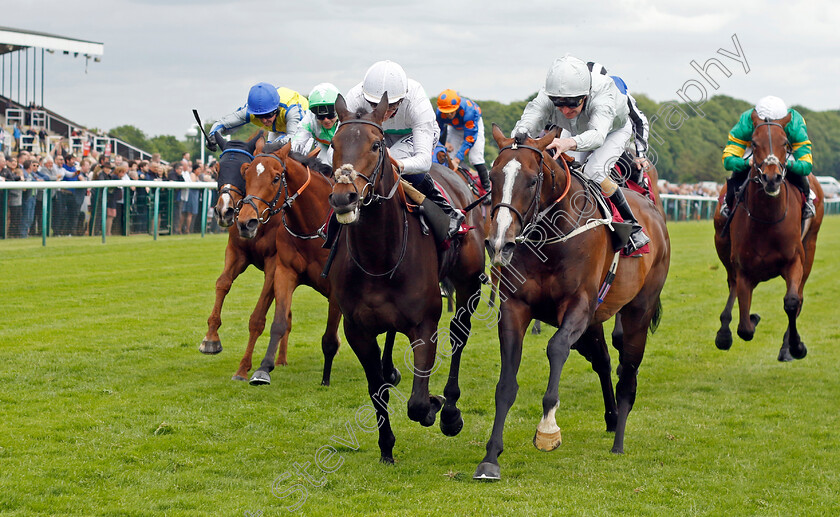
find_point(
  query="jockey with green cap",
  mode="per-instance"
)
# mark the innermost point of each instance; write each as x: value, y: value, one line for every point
x: 319, y: 123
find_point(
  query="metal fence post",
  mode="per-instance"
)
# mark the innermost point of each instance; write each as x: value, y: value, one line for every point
x: 156, y: 221
x: 104, y: 212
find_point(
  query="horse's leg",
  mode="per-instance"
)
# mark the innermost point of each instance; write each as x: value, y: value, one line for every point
x: 421, y: 407
x: 513, y: 324
x: 494, y: 287
x: 451, y: 421
x: 389, y: 372
x: 792, y: 345
x: 283, y: 346
x: 367, y: 351
x: 235, y: 264
x: 723, y: 339
x: 330, y: 341
x: 635, y: 323
x: 746, y: 321
x: 536, y: 329
x: 593, y: 347
x: 256, y: 323
x: 574, y: 323
x: 285, y: 281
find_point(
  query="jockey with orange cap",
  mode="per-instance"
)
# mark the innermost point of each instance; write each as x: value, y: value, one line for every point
x: 466, y: 132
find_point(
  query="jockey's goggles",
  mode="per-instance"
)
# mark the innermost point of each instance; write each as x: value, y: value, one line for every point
x: 567, y: 102
x: 267, y: 115
x: 323, y: 111
x: 391, y: 107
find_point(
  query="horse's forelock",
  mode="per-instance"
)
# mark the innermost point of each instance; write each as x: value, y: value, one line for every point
x: 520, y: 138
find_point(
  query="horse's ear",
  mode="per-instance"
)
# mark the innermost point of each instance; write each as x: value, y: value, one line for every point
x: 284, y: 151
x: 244, y: 168
x: 341, y: 108
x: 381, y: 108
x: 259, y: 145
x: 546, y: 139
x: 756, y: 120
x: 500, y: 138
x: 314, y: 152
x: 252, y: 143
x: 220, y: 140
x: 785, y: 121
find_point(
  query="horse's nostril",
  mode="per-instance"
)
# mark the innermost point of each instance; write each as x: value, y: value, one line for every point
x: 252, y: 224
x: 352, y: 197
x: 508, y: 247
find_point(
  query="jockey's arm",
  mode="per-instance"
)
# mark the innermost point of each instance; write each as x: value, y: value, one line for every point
x: 797, y: 134
x: 739, y: 140
x: 229, y: 123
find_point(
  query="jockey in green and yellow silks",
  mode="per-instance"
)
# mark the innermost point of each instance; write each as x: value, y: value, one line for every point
x: 800, y: 164
x: 276, y: 110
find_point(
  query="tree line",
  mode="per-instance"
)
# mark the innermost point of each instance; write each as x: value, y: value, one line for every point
x: 688, y: 152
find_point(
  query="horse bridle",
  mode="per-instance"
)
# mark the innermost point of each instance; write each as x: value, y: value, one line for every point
x: 760, y: 177
x: 369, y: 194
x: 771, y: 158
x: 227, y: 188
x: 271, y: 207
x: 533, y: 206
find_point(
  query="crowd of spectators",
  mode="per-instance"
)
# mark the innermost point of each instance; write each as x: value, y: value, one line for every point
x: 74, y: 210
x: 703, y: 188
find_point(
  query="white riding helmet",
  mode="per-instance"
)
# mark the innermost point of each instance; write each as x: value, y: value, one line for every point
x: 385, y: 76
x: 568, y: 77
x: 771, y: 107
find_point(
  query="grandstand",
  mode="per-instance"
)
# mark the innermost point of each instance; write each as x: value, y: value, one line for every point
x: 22, y: 77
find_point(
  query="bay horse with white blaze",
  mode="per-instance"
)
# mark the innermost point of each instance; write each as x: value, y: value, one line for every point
x: 290, y: 190
x: 766, y: 238
x: 555, y: 252
x: 385, y: 274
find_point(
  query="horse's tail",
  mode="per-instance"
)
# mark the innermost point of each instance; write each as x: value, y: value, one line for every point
x: 657, y: 316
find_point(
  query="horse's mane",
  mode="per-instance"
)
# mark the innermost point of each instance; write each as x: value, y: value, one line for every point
x: 313, y: 163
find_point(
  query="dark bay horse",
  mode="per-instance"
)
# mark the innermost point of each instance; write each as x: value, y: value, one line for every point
x: 290, y: 190
x: 385, y: 274
x: 766, y: 239
x: 260, y: 251
x: 553, y: 269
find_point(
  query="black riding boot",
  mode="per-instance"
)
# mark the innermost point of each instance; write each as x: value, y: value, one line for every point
x: 484, y: 176
x: 456, y: 217
x: 637, y: 237
x: 801, y: 182
x: 732, y: 185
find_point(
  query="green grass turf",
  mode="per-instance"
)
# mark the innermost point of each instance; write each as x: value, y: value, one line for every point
x: 108, y: 408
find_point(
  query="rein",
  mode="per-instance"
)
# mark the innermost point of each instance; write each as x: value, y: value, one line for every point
x: 370, y: 197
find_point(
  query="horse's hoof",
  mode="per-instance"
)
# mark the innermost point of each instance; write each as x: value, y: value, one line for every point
x: 451, y: 422
x: 547, y: 441
x: 260, y: 378
x: 325, y: 382
x: 237, y: 377
x: 617, y: 449
x: 723, y: 340
x: 395, y: 377
x: 487, y: 471
x: 387, y: 460
x: 746, y: 336
x: 799, y: 352
x: 210, y: 347
x: 755, y: 318
x: 435, y: 403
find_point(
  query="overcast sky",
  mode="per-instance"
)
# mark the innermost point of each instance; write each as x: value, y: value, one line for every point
x: 165, y: 57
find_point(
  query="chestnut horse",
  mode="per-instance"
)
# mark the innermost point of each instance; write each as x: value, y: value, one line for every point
x: 385, y: 274
x: 290, y: 190
x: 261, y: 251
x: 555, y: 252
x: 765, y: 239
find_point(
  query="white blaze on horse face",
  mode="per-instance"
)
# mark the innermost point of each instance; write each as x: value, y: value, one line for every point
x: 227, y: 201
x: 504, y: 217
x: 260, y: 169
